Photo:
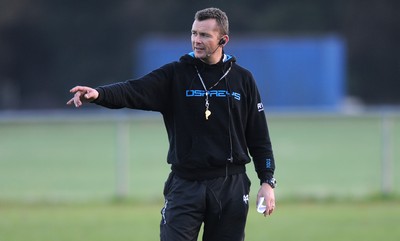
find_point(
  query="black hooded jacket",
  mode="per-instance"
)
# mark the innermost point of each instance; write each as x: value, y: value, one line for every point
x: 201, y: 148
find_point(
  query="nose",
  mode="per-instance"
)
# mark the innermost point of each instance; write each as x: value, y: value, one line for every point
x: 195, y: 39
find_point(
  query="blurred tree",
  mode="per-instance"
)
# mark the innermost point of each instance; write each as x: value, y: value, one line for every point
x: 372, y: 30
x: 24, y: 56
x: 48, y: 46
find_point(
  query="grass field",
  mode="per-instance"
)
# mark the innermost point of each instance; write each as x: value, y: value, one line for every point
x: 367, y: 221
x: 57, y: 180
x: 317, y: 156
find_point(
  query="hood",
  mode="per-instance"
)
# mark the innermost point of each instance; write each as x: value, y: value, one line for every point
x: 190, y: 59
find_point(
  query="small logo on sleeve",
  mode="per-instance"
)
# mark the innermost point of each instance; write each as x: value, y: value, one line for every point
x: 260, y: 107
x: 268, y: 163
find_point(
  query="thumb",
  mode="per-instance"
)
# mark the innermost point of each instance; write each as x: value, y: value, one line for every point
x: 91, y: 94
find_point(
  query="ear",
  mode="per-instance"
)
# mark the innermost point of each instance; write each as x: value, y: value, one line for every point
x: 224, y: 40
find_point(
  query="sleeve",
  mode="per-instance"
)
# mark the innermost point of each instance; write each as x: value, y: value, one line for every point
x: 150, y: 92
x: 257, y: 135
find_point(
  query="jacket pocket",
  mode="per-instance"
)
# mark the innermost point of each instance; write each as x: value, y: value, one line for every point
x: 209, y: 151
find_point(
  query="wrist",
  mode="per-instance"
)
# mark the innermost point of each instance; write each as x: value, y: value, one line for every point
x: 270, y: 181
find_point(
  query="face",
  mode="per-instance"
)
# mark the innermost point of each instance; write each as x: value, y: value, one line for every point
x: 205, y: 38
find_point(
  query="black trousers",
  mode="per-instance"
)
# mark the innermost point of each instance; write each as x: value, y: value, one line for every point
x: 221, y: 204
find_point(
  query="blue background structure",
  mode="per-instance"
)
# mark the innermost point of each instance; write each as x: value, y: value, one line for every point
x: 291, y: 72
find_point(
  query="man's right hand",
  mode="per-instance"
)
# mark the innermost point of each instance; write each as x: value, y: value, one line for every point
x: 82, y: 94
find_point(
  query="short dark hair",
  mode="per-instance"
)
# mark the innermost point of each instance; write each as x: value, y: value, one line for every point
x: 218, y: 15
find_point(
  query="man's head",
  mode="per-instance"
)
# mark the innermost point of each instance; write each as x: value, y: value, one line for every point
x: 218, y: 15
x: 210, y: 31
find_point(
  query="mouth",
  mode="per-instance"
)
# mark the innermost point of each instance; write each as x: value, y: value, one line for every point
x: 197, y: 49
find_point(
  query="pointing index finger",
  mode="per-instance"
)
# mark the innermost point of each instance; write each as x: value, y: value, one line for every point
x: 76, y: 88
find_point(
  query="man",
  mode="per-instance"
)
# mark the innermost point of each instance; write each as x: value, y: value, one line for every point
x: 215, y: 120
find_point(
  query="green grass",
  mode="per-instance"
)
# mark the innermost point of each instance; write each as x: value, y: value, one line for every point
x: 343, y: 221
x: 57, y: 181
x: 328, y: 156
x: 318, y: 157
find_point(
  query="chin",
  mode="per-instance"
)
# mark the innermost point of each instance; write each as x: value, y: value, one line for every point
x: 199, y: 54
